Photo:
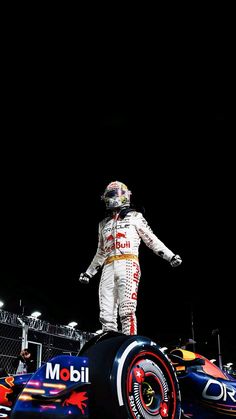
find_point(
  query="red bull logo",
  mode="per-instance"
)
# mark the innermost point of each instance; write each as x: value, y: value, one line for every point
x: 77, y: 399
x: 120, y: 235
x: 117, y: 236
x: 55, y: 372
x: 118, y: 245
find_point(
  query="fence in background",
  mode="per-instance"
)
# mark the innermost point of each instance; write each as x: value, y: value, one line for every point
x: 43, y: 339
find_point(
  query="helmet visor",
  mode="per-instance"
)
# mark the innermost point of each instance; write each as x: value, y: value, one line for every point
x: 114, y: 192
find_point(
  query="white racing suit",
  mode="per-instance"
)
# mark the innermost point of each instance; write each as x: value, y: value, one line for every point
x: 118, y: 249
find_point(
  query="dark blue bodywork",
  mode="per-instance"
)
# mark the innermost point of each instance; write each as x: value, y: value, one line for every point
x: 57, y: 389
x: 61, y: 388
x: 206, y: 390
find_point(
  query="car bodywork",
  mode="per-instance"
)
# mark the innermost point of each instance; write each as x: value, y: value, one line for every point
x: 206, y: 390
x: 119, y: 376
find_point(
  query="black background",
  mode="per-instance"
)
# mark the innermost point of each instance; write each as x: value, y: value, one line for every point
x: 77, y: 116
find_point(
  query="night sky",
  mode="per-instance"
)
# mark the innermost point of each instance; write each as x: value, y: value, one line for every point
x: 166, y: 134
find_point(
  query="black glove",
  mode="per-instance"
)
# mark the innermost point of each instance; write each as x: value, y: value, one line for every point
x: 84, y: 278
x: 175, y: 261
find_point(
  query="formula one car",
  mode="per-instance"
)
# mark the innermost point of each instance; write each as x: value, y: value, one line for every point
x: 206, y: 390
x: 119, y: 376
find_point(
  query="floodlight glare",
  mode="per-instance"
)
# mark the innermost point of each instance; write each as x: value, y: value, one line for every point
x: 36, y: 314
x: 72, y: 324
x: 1, y: 304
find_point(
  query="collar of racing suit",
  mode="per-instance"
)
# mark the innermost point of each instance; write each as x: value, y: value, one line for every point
x: 122, y: 213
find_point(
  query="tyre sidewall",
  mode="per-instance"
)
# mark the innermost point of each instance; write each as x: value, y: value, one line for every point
x: 142, y: 352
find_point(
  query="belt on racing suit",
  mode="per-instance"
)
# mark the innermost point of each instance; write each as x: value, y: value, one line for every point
x: 120, y: 257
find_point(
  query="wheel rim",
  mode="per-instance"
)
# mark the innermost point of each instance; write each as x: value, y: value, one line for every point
x: 150, y: 387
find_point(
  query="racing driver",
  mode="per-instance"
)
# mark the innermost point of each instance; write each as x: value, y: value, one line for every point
x: 119, y: 238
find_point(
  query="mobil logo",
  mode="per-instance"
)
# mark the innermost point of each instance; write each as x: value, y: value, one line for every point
x: 58, y: 372
x: 77, y: 399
